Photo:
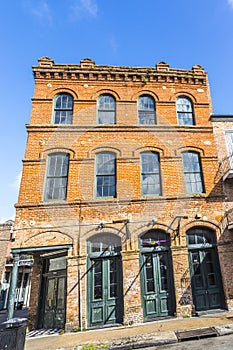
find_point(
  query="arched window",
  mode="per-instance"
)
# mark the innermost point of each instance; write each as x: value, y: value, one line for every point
x: 146, y: 110
x: 193, y: 176
x: 106, y: 109
x: 156, y: 239
x: 105, y: 174
x: 57, y: 176
x: 184, y: 111
x: 150, y: 174
x: 201, y: 235
x: 104, y: 244
x: 63, y: 109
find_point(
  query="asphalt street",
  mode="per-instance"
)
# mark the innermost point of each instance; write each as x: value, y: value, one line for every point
x: 214, y: 343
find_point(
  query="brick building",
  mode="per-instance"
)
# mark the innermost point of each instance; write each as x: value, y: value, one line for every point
x: 5, y: 242
x: 223, y: 133
x: 121, y: 204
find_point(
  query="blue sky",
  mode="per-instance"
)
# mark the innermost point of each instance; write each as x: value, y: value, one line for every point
x: 131, y: 32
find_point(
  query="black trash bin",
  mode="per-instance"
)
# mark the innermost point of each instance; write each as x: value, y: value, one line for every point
x: 12, y: 334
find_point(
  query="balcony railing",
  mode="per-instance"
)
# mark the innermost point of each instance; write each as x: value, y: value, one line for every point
x: 229, y: 216
x: 226, y: 167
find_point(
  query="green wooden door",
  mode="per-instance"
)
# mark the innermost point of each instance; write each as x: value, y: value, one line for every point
x: 157, y: 295
x: 52, y: 305
x: 105, y: 291
x: 206, y: 279
x: 157, y: 285
x: 54, y: 313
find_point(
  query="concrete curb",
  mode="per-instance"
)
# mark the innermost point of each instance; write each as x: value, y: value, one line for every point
x: 143, y: 344
x: 226, y: 330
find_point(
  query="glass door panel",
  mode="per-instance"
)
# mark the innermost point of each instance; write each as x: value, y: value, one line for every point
x: 157, y: 285
x: 206, y: 279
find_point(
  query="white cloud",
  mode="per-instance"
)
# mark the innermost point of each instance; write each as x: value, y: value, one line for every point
x: 16, y: 183
x: 113, y: 43
x: 230, y: 2
x: 41, y: 10
x: 81, y: 8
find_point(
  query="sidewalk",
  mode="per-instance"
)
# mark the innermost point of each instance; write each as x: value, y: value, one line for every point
x: 132, y: 337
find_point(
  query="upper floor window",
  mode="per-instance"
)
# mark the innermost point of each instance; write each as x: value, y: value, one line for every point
x: 146, y: 110
x: 229, y: 140
x: 184, y: 111
x: 63, y: 109
x: 106, y: 109
x: 201, y: 235
x: 105, y: 174
x: 57, y: 176
x: 103, y: 244
x: 192, y: 172
x: 150, y: 174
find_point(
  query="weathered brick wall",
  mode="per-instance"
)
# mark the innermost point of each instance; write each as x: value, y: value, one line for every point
x: 33, y: 313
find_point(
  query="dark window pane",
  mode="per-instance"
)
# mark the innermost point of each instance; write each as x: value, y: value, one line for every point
x: 163, y: 273
x: 113, y: 278
x: 201, y: 236
x: 155, y: 238
x: 198, y: 281
x: 211, y: 279
x: 149, y: 273
x: 98, y: 287
x: 61, y: 293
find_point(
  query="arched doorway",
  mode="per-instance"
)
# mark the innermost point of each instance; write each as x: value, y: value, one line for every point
x: 206, y: 280
x: 157, y: 285
x: 104, y: 280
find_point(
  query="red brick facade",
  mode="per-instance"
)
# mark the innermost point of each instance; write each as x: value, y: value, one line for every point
x: 45, y: 226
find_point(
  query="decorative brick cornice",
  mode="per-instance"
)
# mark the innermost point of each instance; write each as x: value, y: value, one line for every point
x: 87, y: 70
x: 221, y: 118
x: 120, y: 128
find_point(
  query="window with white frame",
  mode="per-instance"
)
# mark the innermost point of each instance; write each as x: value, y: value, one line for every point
x: 146, y: 110
x: 184, y: 109
x: 56, y: 177
x: 105, y: 174
x: 63, y: 109
x: 106, y: 109
x: 150, y: 174
x: 192, y: 172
